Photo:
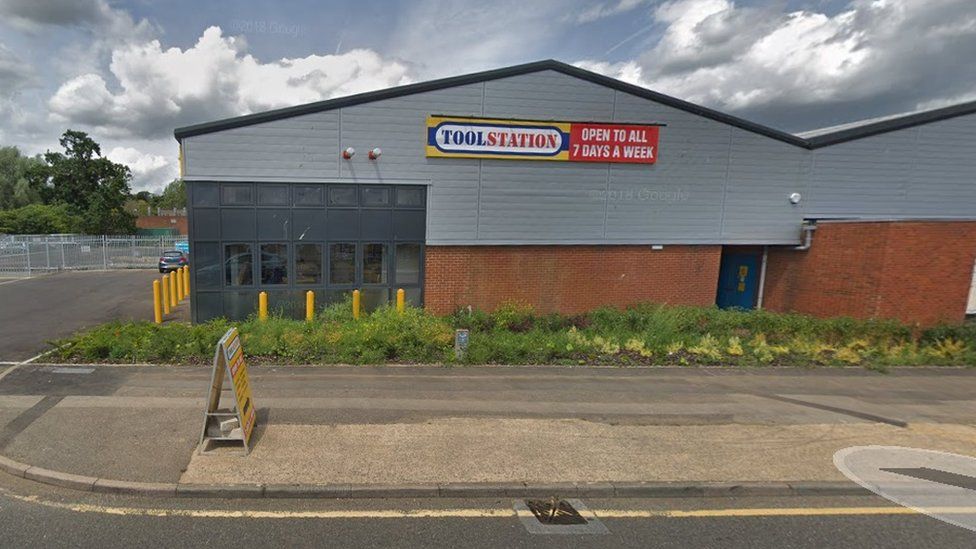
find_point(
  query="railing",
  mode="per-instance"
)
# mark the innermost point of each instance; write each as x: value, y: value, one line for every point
x: 28, y: 255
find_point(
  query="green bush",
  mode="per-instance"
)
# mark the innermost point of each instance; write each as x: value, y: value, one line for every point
x: 515, y: 334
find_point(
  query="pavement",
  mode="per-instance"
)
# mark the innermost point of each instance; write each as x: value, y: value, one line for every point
x: 38, y: 310
x: 480, y: 430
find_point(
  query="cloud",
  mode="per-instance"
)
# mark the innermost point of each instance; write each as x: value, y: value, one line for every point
x: 152, y: 90
x: 447, y: 37
x: 149, y: 171
x: 804, y: 68
x: 93, y: 15
x: 15, y: 74
x: 601, y: 11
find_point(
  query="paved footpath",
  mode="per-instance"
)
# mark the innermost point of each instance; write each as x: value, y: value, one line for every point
x: 431, y: 426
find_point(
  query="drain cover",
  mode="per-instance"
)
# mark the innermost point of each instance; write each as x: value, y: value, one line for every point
x: 554, y: 511
x: 558, y: 516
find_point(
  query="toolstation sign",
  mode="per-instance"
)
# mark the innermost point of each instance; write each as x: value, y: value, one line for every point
x: 457, y: 137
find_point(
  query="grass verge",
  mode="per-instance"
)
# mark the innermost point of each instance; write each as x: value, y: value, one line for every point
x: 515, y: 334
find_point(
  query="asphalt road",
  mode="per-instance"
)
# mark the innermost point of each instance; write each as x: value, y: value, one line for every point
x: 32, y: 516
x: 38, y: 310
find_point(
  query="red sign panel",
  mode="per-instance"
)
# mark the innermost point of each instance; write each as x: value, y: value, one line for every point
x: 624, y: 143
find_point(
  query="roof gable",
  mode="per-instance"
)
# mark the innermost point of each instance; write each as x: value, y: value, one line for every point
x: 821, y: 140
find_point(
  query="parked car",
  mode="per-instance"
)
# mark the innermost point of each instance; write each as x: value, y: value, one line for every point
x: 172, y: 260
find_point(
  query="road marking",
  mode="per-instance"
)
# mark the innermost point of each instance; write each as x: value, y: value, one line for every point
x: 473, y: 512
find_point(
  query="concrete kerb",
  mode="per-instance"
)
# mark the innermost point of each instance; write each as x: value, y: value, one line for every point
x: 451, y: 490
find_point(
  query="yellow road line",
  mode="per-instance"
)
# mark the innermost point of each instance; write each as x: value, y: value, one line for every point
x: 477, y: 513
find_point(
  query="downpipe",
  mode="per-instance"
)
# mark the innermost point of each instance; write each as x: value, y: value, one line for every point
x: 808, y: 229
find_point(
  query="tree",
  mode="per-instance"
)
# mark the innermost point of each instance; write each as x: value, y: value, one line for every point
x: 15, y: 187
x: 173, y: 196
x: 39, y: 219
x: 93, y: 187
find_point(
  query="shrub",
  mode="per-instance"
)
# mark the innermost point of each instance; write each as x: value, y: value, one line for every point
x: 515, y: 334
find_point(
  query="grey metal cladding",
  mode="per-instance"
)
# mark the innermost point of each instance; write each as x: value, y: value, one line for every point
x: 918, y: 172
x: 715, y: 181
x: 290, y: 147
x: 547, y: 95
x: 762, y: 174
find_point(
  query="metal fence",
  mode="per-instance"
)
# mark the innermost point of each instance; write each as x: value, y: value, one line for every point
x: 28, y: 255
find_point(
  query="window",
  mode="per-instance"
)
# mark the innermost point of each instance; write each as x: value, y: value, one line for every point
x: 308, y: 264
x: 343, y: 196
x: 342, y: 263
x: 374, y: 264
x: 235, y: 195
x: 274, y: 264
x: 376, y: 196
x: 407, y: 263
x: 272, y: 195
x: 410, y: 197
x: 238, y: 265
x: 308, y: 195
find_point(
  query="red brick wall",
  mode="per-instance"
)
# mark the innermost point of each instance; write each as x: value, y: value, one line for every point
x: 163, y: 222
x: 568, y: 279
x: 915, y: 271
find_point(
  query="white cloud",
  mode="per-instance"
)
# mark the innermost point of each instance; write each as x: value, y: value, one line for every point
x: 898, y: 54
x: 158, y: 90
x: 149, y: 171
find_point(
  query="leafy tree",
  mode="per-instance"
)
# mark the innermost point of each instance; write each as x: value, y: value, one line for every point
x: 93, y: 187
x: 173, y: 196
x: 15, y: 187
x: 40, y: 219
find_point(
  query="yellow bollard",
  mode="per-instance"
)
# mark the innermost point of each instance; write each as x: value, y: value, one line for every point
x: 355, y: 304
x: 179, y: 284
x: 186, y: 281
x: 173, y: 298
x: 165, y: 285
x: 309, y: 305
x: 157, y: 305
x: 401, y: 300
x: 263, y: 306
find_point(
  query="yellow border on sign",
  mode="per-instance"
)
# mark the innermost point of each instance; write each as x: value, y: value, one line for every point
x: 434, y: 152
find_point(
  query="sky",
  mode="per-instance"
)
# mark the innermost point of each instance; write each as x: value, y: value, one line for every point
x: 129, y: 72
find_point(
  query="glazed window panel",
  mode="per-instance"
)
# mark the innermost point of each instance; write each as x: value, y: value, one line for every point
x: 410, y: 197
x: 375, y: 266
x: 343, y: 195
x: 308, y: 264
x: 342, y: 263
x: 376, y: 196
x: 408, y: 263
x: 274, y: 264
x: 238, y: 265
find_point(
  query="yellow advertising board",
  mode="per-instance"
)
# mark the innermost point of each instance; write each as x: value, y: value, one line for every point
x: 218, y: 422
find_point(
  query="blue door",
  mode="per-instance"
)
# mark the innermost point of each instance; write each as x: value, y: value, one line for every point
x: 738, y: 279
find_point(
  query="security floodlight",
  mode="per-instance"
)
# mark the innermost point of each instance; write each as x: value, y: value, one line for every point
x: 375, y: 153
x: 348, y: 153
x: 795, y: 198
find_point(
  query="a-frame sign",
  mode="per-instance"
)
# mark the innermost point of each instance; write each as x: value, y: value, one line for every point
x: 218, y: 423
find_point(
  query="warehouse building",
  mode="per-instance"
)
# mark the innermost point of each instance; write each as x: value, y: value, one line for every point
x: 570, y: 190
